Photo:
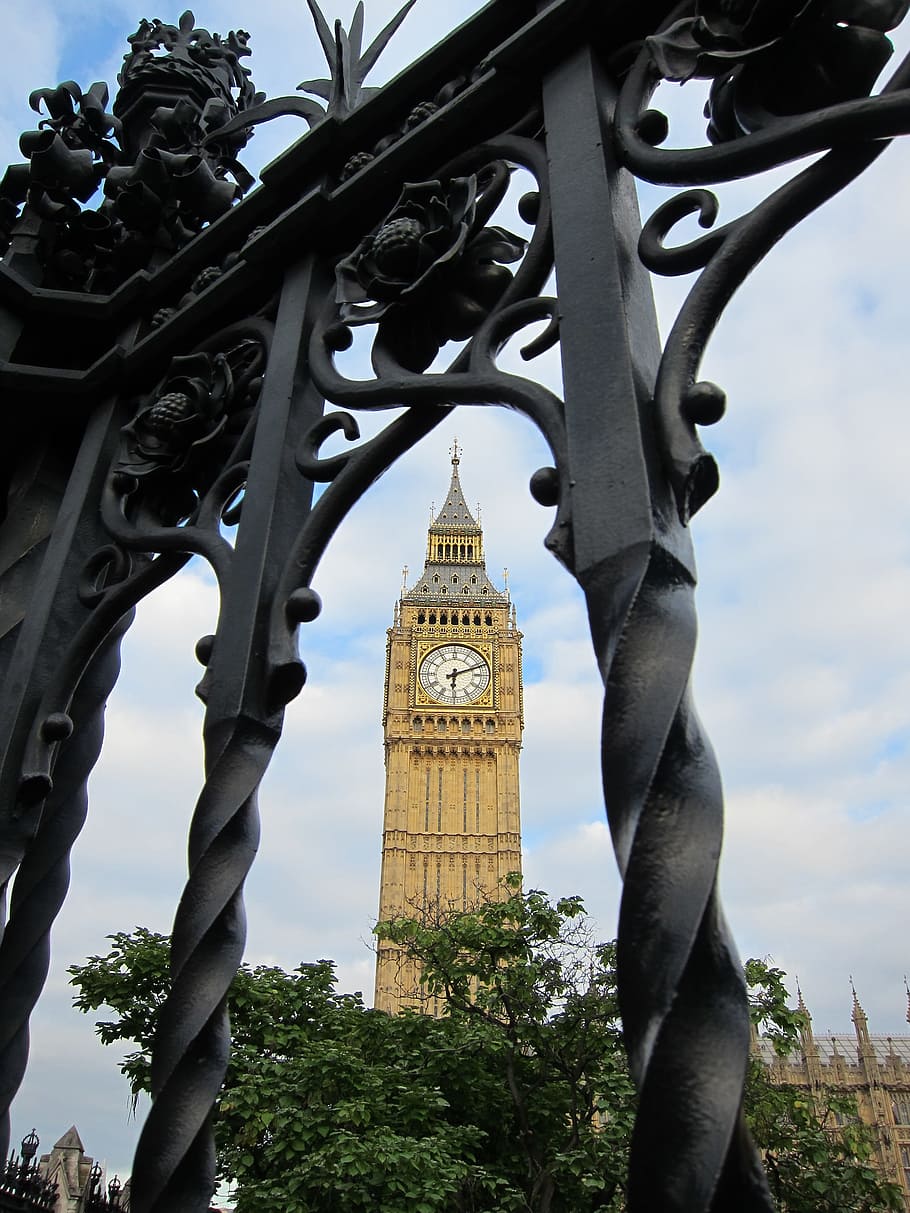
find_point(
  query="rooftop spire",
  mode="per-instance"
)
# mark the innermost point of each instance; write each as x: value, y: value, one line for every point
x: 859, y: 1015
x: 800, y: 1005
x: 455, y: 568
x: 454, y: 513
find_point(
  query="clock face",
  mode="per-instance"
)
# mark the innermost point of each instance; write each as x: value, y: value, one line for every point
x: 454, y: 674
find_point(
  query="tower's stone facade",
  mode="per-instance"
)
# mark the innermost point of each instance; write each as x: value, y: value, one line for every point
x: 452, y: 716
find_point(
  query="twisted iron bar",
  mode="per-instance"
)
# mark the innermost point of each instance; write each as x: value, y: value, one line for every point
x: 690, y: 1149
x: 172, y: 1169
x: 42, y: 879
x: 174, y: 1165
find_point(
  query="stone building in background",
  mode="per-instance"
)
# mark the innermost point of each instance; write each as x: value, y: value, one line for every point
x: 874, y: 1070
x: 452, y: 719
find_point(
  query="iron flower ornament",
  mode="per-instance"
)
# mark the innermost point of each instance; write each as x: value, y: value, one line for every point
x: 770, y: 59
x: 188, y: 414
x: 431, y: 273
x: 176, y: 443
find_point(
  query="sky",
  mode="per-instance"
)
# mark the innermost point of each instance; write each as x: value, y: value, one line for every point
x: 802, y: 675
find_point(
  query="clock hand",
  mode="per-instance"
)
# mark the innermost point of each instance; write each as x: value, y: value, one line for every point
x: 480, y: 665
x: 467, y: 669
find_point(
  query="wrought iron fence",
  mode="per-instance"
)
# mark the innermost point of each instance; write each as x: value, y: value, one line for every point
x: 198, y: 342
x: 24, y: 1188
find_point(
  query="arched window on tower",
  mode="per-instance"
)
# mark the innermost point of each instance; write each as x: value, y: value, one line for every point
x: 439, y: 551
x: 477, y: 619
x: 470, y: 551
x: 444, y: 618
x: 421, y: 616
x: 464, y: 619
x: 432, y: 617
x: 488, y: 619
x: 448, y: 551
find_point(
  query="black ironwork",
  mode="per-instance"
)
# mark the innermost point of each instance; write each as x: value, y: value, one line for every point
x: 185, y: 394
x: 97, y: 1199
x: 23, y: 1187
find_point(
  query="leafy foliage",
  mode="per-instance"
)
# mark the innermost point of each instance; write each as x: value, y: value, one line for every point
x: 524, y: 972
x: 516, y: 1100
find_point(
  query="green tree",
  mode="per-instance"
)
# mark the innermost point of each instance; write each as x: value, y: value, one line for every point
x: 516, y: 1100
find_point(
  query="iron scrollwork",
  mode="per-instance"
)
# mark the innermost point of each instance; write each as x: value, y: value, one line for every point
x: 434, y: 271
x: 782, y: 88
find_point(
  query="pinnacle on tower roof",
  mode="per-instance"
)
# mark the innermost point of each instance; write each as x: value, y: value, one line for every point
x: 70, y: 1140
x: 454, y: 511
x: 858, y: 1015
x: 800, y: 1004
x: 455, y: 567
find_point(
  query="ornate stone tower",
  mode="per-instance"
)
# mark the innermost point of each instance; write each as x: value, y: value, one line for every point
x: 452, y: 716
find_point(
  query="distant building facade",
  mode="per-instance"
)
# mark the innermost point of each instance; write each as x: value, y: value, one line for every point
x: 874, y: 1070
x: 65, y: 1180
x: 80, y: 1181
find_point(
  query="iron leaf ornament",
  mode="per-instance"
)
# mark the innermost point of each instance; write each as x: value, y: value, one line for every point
x: 348, y: 63
x: 79, y: 118
x: 770, y: 59
x: 343, y: 89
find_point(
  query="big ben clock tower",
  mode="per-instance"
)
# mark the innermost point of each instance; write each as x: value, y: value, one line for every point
x: 452, y: 717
